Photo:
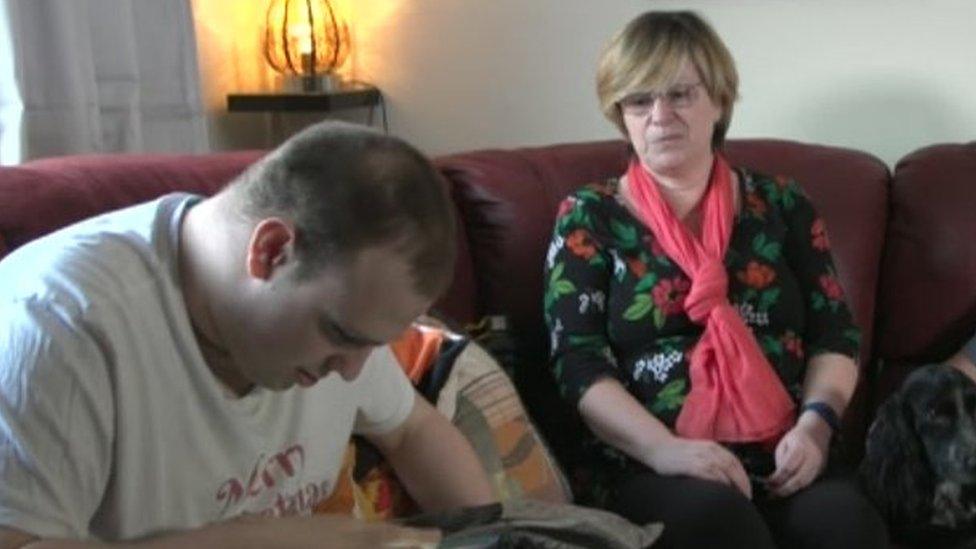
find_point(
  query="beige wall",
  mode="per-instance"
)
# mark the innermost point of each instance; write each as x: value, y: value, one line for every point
x: 885, y: 76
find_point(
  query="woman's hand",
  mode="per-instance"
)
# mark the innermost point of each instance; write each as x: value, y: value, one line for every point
x: 801, y: 456
x: 619, y: 420
x: 702, y: 459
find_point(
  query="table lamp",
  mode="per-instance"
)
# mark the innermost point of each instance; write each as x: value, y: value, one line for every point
x: 306, y: 40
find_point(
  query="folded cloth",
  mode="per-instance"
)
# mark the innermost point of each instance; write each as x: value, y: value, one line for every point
x: 528, y: 523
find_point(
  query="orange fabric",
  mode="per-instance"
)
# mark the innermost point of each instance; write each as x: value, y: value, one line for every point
x: 416, y: 349
x: 487, y: 411
x: 735, y: 395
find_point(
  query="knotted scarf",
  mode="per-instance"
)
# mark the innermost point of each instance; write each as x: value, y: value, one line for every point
x: 735, y: 395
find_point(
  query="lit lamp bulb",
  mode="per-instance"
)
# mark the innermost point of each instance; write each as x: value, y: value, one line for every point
x: 301, y: 35
x: 305, y: 39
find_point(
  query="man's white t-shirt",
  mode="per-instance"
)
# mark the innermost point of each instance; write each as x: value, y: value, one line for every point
x: 111, y: 424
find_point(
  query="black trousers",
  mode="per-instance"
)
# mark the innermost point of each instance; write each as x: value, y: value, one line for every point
x: 831, y: 513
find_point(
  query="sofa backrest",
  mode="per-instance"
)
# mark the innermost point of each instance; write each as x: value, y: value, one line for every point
x: 508, y: 201
x: 927, y: 292
x: 39, y: 197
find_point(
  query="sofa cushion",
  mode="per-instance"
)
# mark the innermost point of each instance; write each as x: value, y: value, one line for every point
x: 44, y: 195
x: 927, y: 292
x: 467, y: 385
x: 507, y: 199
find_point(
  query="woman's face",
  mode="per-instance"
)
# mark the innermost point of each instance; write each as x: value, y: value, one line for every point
x: 671, y: 130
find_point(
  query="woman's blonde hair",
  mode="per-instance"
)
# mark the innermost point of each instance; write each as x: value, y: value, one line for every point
x: 648, y: 54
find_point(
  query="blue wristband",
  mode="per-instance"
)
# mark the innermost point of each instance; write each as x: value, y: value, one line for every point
x: 825, y: 412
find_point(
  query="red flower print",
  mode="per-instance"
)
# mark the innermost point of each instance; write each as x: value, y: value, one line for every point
x: 781, y: 181
x: 792, y: 344
x: 565, y: 206
x: 755, y: 204
x: 581, y: 244
x: 637, y: 267
x: 669, y: 294
x: 756, y: 275
x: 819, y: 234
x: 831, y: 287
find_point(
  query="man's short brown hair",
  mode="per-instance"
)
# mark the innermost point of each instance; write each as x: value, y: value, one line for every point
x: 347, y: 187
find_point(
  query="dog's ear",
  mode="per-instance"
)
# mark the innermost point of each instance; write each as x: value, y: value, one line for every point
x: 895, y: 472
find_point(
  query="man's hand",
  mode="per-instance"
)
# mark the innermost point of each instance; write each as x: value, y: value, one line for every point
x: 702, y: 459
x: 801, y: 456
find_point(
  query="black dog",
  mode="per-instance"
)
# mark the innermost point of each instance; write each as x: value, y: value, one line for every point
x: 920, y: 459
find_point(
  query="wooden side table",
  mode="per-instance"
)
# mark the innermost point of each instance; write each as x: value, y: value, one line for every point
x: 346, y: 96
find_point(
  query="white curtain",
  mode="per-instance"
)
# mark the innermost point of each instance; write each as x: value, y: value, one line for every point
x: 100, y: 76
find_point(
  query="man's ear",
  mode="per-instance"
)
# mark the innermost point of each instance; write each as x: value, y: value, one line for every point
x: 271, y: 246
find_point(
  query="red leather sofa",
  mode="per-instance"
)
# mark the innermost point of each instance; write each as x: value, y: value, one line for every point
x: 904, y: 242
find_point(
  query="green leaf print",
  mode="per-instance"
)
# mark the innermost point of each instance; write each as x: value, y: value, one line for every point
x: 765, y: 249
x: 597, y: 261
x: 577, y: 217
x: 670, y: 344
x: 853, y: 335
x: 773, y: 192
x: 641, y: 305
x: 565, y: 287
x: 645, y: 283
x: 669, y: 397
x: 788, y: 198
x: 818, y: 301
x: 558, y: 286
x: 771, y: 346
x: 768, y: 299
x: 658, y: 318
x: 582, y: 217
x: 557, y: 272
x: 587, y: 193
x: 626, y: 233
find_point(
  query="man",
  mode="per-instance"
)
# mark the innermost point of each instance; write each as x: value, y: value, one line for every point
x: 180, y: 363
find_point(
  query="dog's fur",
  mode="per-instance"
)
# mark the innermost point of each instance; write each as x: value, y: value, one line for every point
x: 920, y: 460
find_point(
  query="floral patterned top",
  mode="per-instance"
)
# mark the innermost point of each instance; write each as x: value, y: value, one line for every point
x: 614, y: 302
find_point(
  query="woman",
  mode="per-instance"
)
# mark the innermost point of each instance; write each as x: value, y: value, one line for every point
x: 696, y: 320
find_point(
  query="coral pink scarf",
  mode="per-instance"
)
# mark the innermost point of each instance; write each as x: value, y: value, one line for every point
x: 735, y: 395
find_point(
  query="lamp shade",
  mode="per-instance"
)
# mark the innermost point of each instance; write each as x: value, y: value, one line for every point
x: 304, y: 37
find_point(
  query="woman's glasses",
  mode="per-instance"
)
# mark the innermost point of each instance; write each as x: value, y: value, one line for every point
x: 678, y: 96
